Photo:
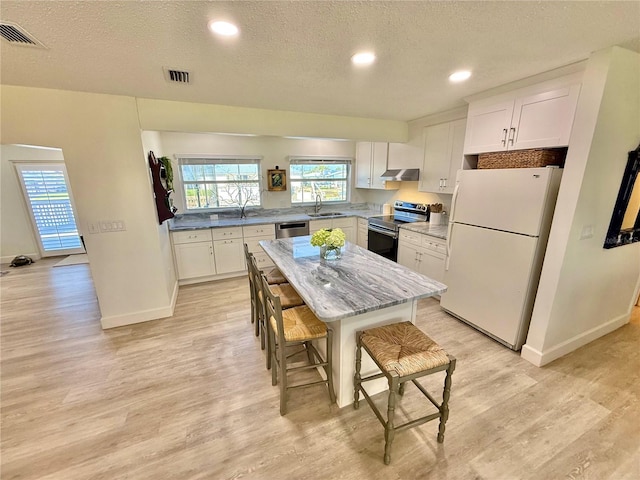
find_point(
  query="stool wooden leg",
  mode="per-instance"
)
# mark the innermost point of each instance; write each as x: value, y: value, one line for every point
x: 357, y: 379
x: 401, y: 388
x: 282, y: 364
x: 444, y: 407
x: 389, y: 431
x: 274, y: 360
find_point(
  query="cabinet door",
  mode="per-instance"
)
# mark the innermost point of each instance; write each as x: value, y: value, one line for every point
x: 364, y: 154
x: 229, y: 255
x: 408, y: 256
x: 488, y: 127
x: 379, y: 164
x: 194, y: 260
x: 544, y: 120
x: 456, y: 157
x: 363, y: 233
x: 315, y: 225
x: 431, y: 265
x: 436, y: 157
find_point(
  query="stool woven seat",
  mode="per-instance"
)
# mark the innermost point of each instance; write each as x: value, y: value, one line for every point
x: 403, y: 353
x: 299, y: 324
x: 288, y: 296
x: 404, y: 348
x: 274, y: 276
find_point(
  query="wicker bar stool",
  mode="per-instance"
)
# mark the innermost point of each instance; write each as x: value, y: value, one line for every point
x: 295, y: 327
x: 253, y: 291
x: 289, y: 298
x: 403, y: 353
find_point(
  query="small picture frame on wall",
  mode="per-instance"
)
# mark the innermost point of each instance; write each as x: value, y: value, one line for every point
x: 276, y: 180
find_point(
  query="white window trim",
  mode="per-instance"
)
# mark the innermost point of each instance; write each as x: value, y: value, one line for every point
x: 297, y: 159
x: 179, y: 186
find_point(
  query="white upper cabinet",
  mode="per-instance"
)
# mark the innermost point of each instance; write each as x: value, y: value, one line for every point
x: 371, y: 162
x: 443, y: 157
x: 539, y: 120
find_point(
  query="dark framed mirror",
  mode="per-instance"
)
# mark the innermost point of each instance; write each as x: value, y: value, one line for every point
x: 624, y: 228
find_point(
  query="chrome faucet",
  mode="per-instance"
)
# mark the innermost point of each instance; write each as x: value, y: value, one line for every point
x: 318, y: 203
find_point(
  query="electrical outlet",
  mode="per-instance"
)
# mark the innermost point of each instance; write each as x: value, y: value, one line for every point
x: 94, y: 228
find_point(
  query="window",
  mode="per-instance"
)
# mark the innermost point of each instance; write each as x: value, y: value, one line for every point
x: 210, y: 183
x: 327, y: 177
x: 50, y: 207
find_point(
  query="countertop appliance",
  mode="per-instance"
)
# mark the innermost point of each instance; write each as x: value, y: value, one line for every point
x: 498, y: 231
x: 292, y: 229
x: 384, y: 229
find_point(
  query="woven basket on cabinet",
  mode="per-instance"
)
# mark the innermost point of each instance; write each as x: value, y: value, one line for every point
x: 531, y: 158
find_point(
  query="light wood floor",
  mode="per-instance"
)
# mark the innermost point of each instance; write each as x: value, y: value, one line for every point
x: 189, y: 398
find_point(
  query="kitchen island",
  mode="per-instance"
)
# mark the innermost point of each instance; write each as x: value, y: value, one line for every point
x: 358, y: 291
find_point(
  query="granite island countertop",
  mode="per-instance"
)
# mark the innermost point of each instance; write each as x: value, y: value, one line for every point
x: 198, y: 221
x: 359, y: 282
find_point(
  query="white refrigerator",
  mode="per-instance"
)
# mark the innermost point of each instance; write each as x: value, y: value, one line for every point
x: 498, y: 231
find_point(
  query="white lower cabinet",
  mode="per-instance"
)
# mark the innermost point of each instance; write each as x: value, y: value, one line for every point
x: 228, y: 249
x: 252, y: 236
x: 194, y: 254
x: 363, y: 233
x: 422, y: 253
x: 202, y: 255
x: 229, y: 255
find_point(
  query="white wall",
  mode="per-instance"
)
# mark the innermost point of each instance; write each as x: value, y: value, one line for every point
x: 16, y: 231
x: 151, y: 142
x: 273, y: 150
x: 100, y: 138
x: 586, y: 291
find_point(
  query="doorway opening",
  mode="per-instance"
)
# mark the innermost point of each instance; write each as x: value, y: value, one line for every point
x: 50, y: 203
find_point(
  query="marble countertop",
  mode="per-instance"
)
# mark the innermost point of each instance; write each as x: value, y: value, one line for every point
x: 359, y: 282
x: 439, y: 231
x: 196, y: 222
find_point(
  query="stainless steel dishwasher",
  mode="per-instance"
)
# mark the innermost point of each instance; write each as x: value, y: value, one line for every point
x: 292, y: 229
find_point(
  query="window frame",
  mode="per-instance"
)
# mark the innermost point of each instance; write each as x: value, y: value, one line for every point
x: 210, y: 159
x: 318, y: 160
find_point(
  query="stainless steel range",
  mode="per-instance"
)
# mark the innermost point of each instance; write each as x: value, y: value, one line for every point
x: 384, y: 229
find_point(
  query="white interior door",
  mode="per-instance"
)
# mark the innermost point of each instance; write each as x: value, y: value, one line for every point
x: 50, y: 204
x: 489, y: 280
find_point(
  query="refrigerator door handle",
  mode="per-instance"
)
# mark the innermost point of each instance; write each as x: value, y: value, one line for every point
x: 451, y: 221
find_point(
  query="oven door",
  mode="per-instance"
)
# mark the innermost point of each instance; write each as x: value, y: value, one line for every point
x: 383, y: 242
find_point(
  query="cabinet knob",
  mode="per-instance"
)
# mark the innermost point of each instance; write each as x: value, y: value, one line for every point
x: 512, y: 135
x: 504, y: 138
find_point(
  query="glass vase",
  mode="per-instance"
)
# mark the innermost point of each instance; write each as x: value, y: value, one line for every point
x: 330, y: 253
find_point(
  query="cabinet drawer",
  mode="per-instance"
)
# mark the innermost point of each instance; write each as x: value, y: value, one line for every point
x: 265, y: 232
x: 192, y: 236
x: 342, y: 222
x: 411, y: 238
x: 263, y: 260
x: 254, y: 245
x: 227, y: 232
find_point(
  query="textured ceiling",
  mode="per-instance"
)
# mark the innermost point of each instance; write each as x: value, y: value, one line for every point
x: 295, y: 55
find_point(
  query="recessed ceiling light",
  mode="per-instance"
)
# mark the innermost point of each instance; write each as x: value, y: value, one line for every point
x: 223, y: 28
x: 459, y: 76
x: 363, y: 58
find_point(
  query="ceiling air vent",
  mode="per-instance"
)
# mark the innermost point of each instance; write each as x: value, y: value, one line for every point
x: 177, y: 76
x: 16, y: 35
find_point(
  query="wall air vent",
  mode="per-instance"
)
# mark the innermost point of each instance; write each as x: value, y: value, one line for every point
x: 16, y: 35
x: 177, y: 76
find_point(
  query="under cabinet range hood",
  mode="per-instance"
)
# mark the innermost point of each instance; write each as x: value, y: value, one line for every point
x: 408, y: 174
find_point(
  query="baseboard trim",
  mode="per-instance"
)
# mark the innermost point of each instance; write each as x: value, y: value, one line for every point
x: 142, y: 316
x: 540, y: 359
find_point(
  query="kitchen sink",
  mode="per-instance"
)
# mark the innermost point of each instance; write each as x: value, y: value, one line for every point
x: 326, y: 214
